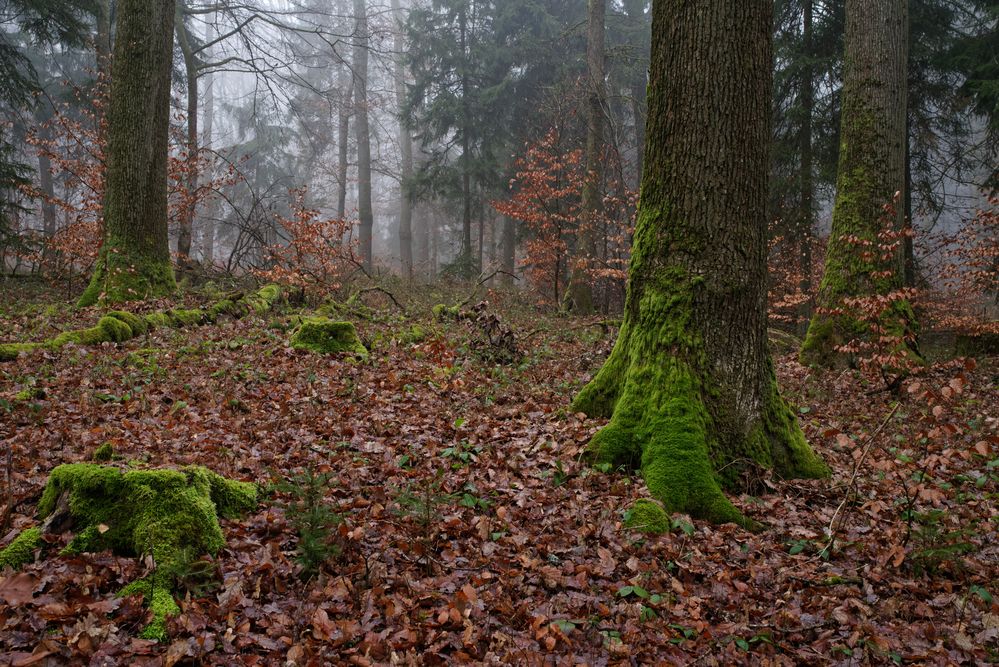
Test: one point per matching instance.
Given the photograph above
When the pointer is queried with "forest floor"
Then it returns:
(471, 531)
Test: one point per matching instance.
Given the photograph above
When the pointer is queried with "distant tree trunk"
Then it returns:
(509, 250)
(806, 220)
(45, 179)
(208, 113)
(690, 387)
(466, 151)
(102, 42)
(134, 261)
(362, 134)
(343, 138)
(421, 233)
(871, 171)
(406, 153)
(908, 252)
(186, 232)
(579, 296)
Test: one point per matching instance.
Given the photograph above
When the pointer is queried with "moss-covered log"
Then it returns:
(689, 386)
(119, 326)
(171, 515)
(870, 176)
(22, 549)
(324, 336)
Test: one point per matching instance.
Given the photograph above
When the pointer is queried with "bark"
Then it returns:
(191, 166)
(509, 249)
(406, 153)
(579, 296)
(871, 171)
(362, 134)
(134, 261)
(343, 137)
(689, 386)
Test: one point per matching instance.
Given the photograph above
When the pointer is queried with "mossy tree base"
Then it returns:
(120, 277)
(324, 336)
(171, 515)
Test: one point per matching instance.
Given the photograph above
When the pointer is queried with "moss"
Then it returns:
(11, 351)
(157, 320)
(30, 394)
(444, 312)
(103, 453)
(22, 549)
(136, 323)
(123, 276)
(169, 514)
(648, 516)
(107, 330)
(325, 336)
(182, 317)
(269, 293)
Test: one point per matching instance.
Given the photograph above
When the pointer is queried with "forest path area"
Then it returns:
(471, 531)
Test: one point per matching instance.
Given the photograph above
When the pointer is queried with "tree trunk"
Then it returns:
(579, 296)
(689, 386)
(208, 115)
(362, 135)
(134, 261)
(871, 172)
(45, 178)
(191, 167)
(465, 259)
(509, 249)
(343, 137)
(406, 153)
(639, 90)
(806, 220)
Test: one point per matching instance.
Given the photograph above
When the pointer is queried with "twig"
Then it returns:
(367, 290)
(853, 478)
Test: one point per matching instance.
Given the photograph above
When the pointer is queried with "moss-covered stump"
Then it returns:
(325, 336)
(118, 326)
(648, 516)
(171, 515)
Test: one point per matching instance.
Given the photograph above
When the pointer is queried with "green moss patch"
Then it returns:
(22, 549)
(324, 336)
(648, 516)
(171, 515)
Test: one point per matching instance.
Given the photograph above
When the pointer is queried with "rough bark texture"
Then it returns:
(134, 261)
(689, 386)
(361, 133)
(871, 171)
(406, 153)
(579, 296)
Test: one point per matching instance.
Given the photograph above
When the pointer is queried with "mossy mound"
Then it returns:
(119, 326)
(325, 336)
(22, 549)
(169, 514)
(648, 516)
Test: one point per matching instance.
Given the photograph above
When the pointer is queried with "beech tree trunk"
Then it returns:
(870, 175)
(134, 260)
(362, 134)
(343, 138)
(406, 153)
(689, 386)
(186, 232)
(579, 296)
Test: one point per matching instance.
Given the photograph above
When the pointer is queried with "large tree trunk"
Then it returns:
(406, 153)
(134, 261)
(870, 174)
(191, 167)
(361, 133)
(690, 387)
(579, 296)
